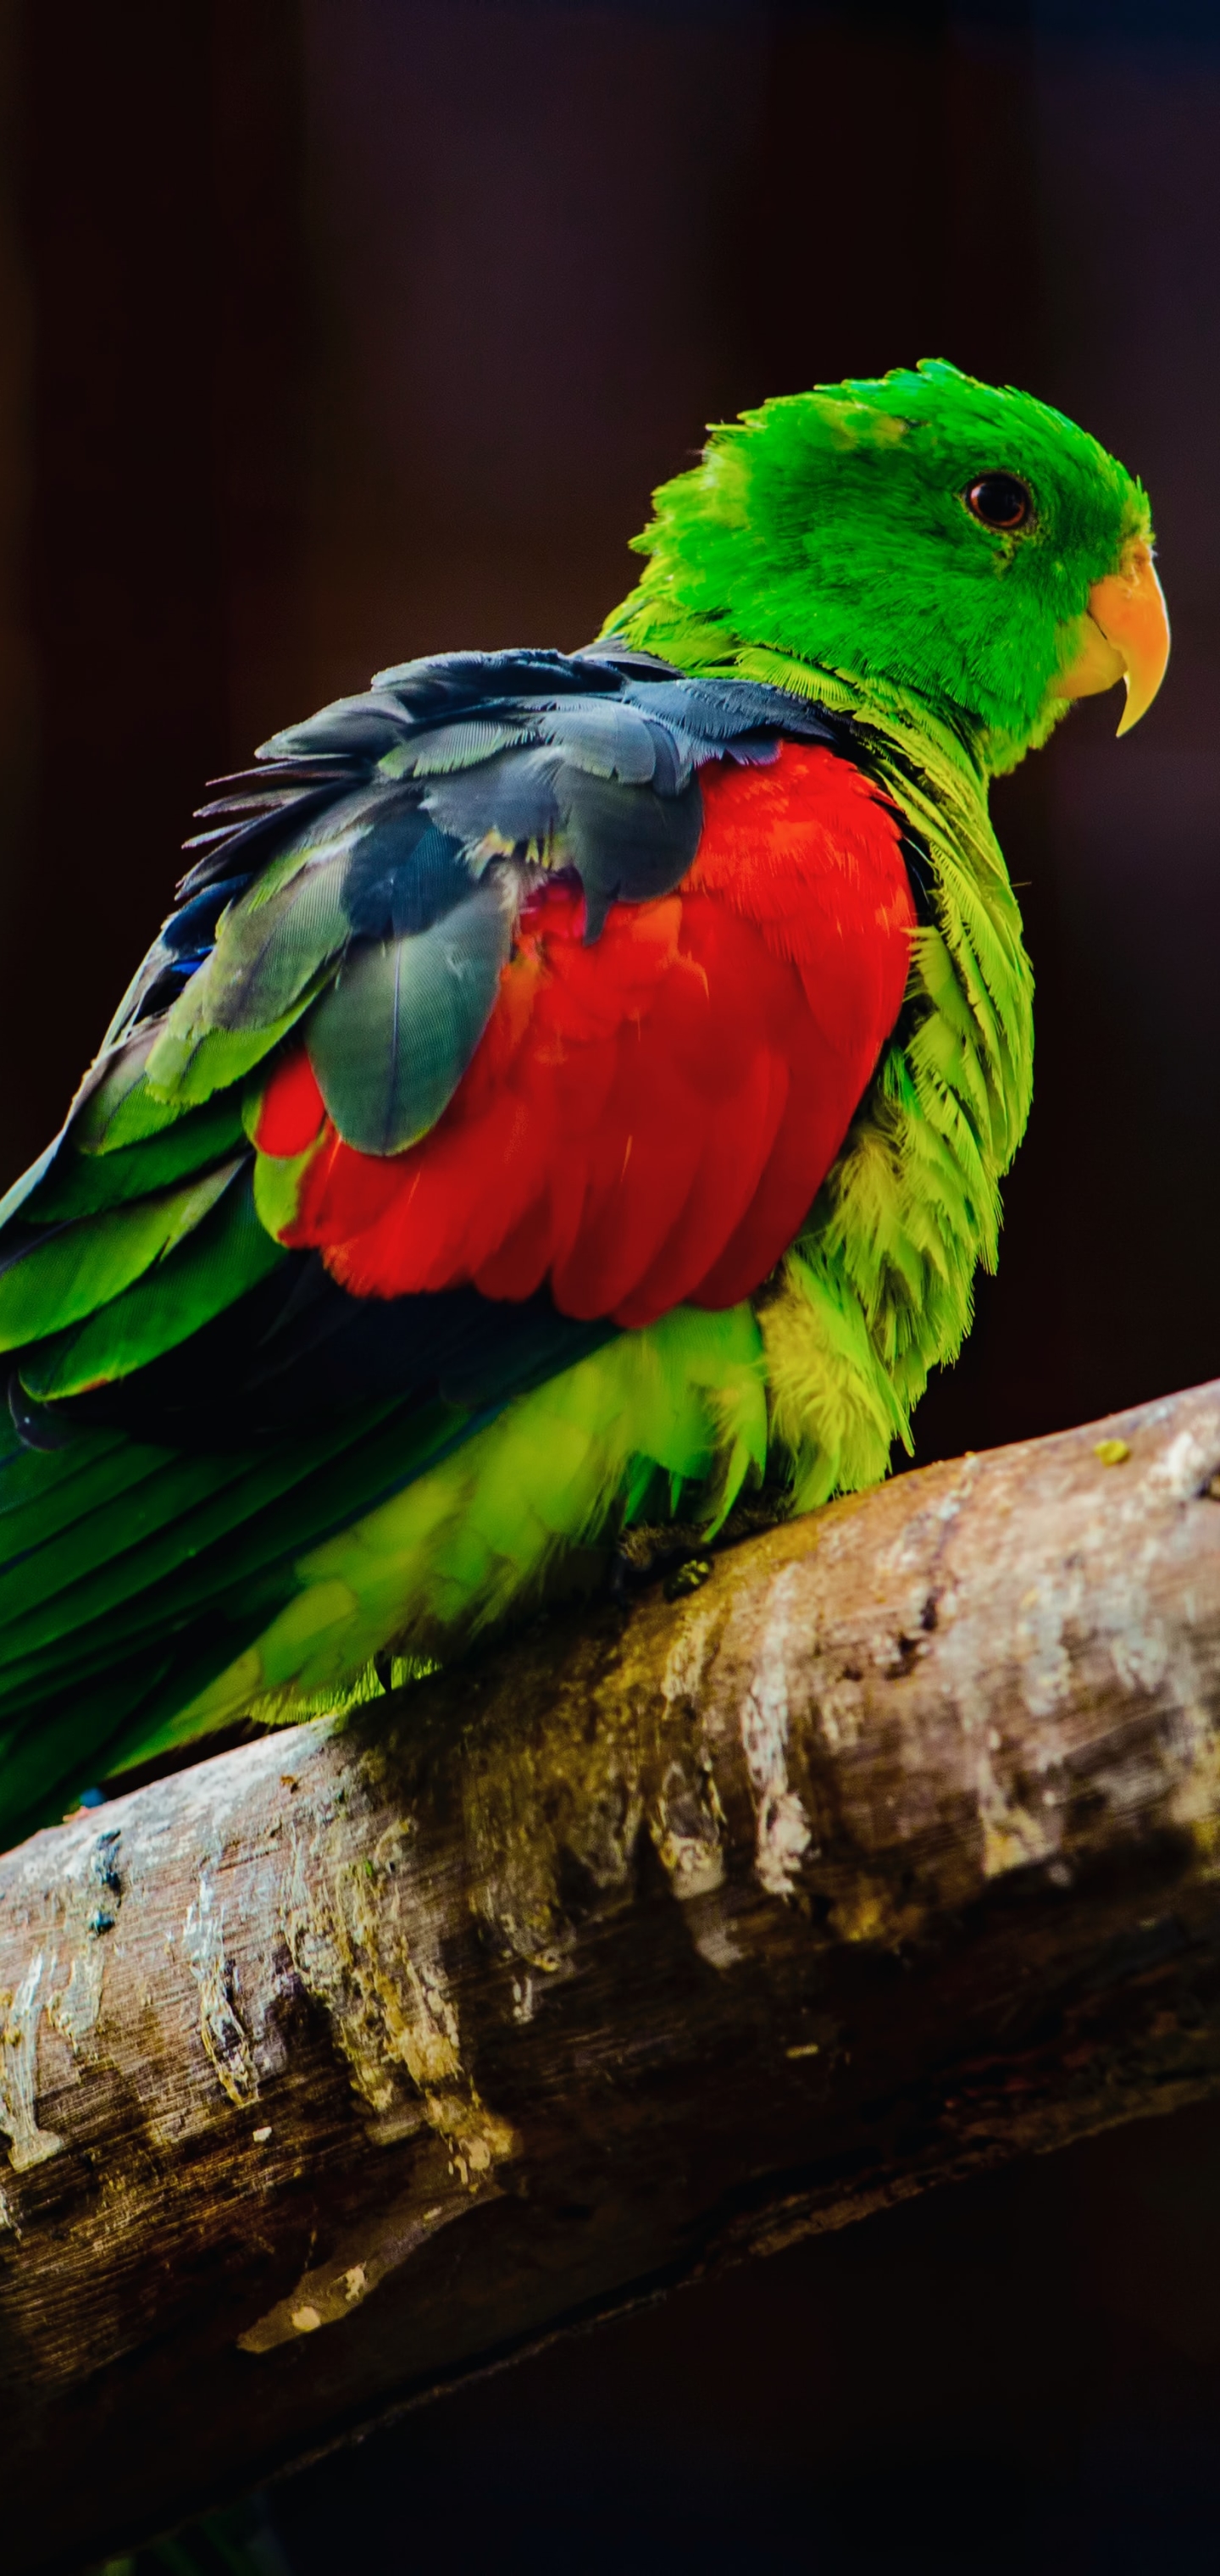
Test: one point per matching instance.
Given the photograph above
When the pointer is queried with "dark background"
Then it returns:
(336, 331)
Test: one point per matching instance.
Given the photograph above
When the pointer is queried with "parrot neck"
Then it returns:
(919, 727)
(922, 751)
(935, 770)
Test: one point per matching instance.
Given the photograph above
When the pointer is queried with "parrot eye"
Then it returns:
(999, 501)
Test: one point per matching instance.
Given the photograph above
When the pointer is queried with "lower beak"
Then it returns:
(1125, 636)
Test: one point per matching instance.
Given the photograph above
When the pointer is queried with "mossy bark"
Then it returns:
(361, 2058)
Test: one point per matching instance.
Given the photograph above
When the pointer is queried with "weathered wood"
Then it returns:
(352, 2061)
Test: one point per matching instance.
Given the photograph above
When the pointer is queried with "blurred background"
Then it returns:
(337, 331)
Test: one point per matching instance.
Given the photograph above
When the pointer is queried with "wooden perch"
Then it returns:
(350, 2062)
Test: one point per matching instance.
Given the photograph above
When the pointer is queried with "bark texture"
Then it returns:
(359, 2059)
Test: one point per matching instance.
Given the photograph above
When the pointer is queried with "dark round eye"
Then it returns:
(1000, 501)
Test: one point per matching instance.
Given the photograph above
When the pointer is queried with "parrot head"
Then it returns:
(920, 533)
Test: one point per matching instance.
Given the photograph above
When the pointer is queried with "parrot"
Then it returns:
(570, 1091)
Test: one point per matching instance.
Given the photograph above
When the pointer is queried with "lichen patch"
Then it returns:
(225, 2038)
(362, 1947)
(22, 2010)
(783, 1835)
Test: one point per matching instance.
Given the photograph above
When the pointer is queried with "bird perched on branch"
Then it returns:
(568, 1087)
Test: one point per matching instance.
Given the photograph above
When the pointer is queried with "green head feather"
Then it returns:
(832, 527)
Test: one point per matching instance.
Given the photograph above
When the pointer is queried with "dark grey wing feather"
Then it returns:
(392, 1037)
(358, 884)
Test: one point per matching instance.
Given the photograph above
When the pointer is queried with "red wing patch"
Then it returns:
(649, 1119)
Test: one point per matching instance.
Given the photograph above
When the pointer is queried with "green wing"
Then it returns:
(191, 1406)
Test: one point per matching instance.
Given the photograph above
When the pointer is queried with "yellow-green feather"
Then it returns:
(682, 1402)
(878, 1290)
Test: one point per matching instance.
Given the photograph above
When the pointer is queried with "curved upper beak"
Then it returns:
(1125, 637)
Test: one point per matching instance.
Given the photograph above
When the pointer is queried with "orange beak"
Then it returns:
(1125, 636)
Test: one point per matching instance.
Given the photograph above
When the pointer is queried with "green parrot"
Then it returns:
(569, 1088)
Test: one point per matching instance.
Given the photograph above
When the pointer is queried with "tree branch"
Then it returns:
(358, 2059)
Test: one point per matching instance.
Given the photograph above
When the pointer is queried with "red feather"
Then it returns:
(647, 1119)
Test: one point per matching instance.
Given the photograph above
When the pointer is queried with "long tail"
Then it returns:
(149, 1596)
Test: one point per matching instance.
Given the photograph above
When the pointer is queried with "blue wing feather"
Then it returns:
(366, 872)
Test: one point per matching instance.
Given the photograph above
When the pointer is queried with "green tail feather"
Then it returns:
(157, 1597)
(453, 1550)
